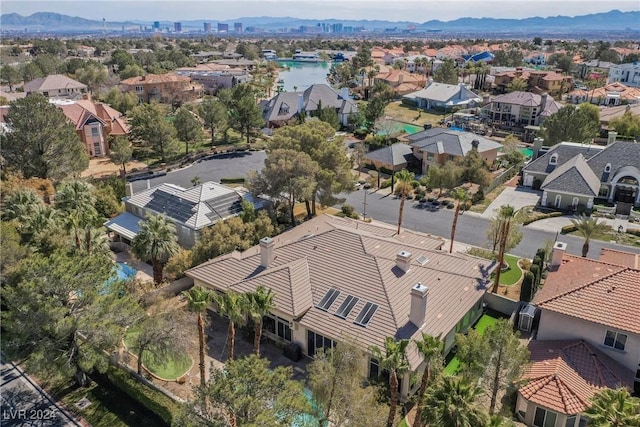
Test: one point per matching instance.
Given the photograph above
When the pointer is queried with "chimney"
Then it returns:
(611, 138)
(537, 145)
(475, 144)
(418, 311)
(403, 261)
(543, 101)
(267, 246)
(143, 78)
(559, 248)
(128, 189)
(486, 99)
(400, 78)
(300, 103)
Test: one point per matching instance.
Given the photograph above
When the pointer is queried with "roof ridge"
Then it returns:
(386, 294)
(568, 390)
(585, 285)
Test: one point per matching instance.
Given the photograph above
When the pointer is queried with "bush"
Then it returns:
(423, 200)
(634, 231)
(527, 287)
(348, 211)
(481, 253)
(415, 184)
(478, 196)
(385, 184)
(450, 205)
(535, 270)
(231, 180)
(525, 264)
(155, 401)
(568, 229)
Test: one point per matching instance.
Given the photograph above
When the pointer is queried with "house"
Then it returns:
(285, 107)
(537, 58)
(167, 88)
(439, 145)
(190, 209)
(214, 80)
(401, 81)
(573, 176)
(338, 278)
(95, 123)
(610, 94)
(485, 56)
(56, 86)
(394, 157)
(520, 109)
(562, 378)
(443, 96)
(539, 82)
(628, 74)
(609, 113)
(595, 301)
(586, 68)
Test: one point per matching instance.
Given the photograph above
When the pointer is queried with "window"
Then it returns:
(544, 418)
(615, 340)
(452, 157)
(553, 160)
(277, 326)
(328, 299)
(139, 89)
(571, 421)
(430, 157)
(95, 131)
(317, 342)
(604, 191)
(558, 201)
(366, 314)
(374, 368)
(96, 149)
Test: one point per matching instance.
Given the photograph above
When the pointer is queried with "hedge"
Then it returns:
(545, 216)
(568, 229)
(232, 180)
(527, 288)
(155, 401)
(634, 231)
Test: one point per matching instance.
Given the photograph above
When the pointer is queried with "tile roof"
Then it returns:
(395, 154)
(447, 141)
(284, 105)
(565, 151)
(574, 176)
(442, 92)
(613, 256)
(150, 79)
(53, 82)
(358, 259)
(80, 111)
(608, 113)
(565, 375)
(624, 156)
(586, 284)
(616, 88)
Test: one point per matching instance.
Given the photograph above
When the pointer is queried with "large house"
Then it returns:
(443, 96)
(285, 107)
(439, 145)
(610, 94)
(628, 74)
(592, 66)
(190, 209)
(56, 86)
(337, 278)
(401, 81)
(539, 82)
(573, 175)
(520, 109)
(214, 77)
(167, 88)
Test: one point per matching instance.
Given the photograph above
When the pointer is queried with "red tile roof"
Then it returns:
(626, 259)
(564, 375)
(155, 79)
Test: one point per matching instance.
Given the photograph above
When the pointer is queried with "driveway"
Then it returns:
(517, 197)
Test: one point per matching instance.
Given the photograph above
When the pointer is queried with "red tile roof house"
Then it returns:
(588, 336)
(162, 88)
(337, 279)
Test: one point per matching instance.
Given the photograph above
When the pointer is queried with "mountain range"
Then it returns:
(614, 20)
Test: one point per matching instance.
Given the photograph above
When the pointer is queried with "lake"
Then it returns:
(300, 75)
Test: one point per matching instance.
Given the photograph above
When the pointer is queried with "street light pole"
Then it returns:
(364, 212)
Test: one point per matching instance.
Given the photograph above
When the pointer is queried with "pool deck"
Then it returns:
(145, 271)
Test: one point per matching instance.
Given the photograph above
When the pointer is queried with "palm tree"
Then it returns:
(231, 304)
(394, 360)
(403, 188)
(453, 403)
(198, 299)
(461, 196)
(614, 408)
(587, 227)
(156, 242)
(76, 199)
(430, 349)
(259, 304)
(505, 216)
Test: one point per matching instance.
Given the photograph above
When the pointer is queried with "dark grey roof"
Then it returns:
(528, 99)
(395, 154)
(619, 154)
(443, 140)
(573, 176)
(565, 151)
(285, 105)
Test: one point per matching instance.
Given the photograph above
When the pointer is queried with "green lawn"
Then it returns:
(484, 322)
(171, 367)
(511, 275)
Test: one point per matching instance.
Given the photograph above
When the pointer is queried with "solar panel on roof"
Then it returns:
(328, 299)
(366, 314)
(345, 308)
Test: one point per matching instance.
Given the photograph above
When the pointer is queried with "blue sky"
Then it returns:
(394, 10)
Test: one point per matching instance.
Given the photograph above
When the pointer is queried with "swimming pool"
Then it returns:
(123, 273)
(401, 127)
(528, 152)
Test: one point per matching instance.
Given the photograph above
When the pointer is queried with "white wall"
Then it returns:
(556, 326)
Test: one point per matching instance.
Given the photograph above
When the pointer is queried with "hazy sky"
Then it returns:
(393, 10)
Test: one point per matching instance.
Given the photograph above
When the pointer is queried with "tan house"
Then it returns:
(611, 94)
(337, 278)
(402, 82)
(520, 109)
(553, 83)
(56, 86)
(167, 88)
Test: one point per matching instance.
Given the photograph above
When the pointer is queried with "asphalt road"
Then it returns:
(24, 403)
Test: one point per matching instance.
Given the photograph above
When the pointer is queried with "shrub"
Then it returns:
(231, 180)
(527, 287)
(634, 231)
(525, 264)
(568, 229)
(478, 196)
(535, 270)
(385, 184)
(423, 200)
(481, 253)
(348, 211)
(415, 184)
(450, 205)
(155, 401)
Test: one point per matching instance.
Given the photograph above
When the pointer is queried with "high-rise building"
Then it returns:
(207, 27)
(177, 27)
(223, 28)
(237, 27)
(156, 25)
(336, 28)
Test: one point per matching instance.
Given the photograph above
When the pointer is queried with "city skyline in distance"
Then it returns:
(407, 11)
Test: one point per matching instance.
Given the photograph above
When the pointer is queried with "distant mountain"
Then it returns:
(609, 21)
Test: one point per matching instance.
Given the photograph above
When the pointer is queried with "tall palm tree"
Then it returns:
(461, 196)
(393, 359)
(231, 304)
(76, 200)
(614, 408)
(259, 304)
(198, 300)
(587, 227)
(430, 349)
(505, 216)
(452, 402)
(403, 188)
(156, 242)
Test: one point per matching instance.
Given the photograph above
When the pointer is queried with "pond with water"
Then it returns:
(298, 76)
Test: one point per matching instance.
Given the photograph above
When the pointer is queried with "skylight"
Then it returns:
(422, 260)
(328, 299)
(366, 314)
(346, 307)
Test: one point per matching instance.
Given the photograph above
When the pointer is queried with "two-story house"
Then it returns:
(520, 109)
(539, 82)
(56, 86)
(190, 209)
(588, 336)
(167, 88)
(628, 74)
(611, 94)
(338, 278)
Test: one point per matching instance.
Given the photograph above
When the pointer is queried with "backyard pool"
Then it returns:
(399, 127)
(528, 152)
(123, 273)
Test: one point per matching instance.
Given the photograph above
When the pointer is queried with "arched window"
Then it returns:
(574, 203)
(553, 160)
(558, 201)
(607, 168)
